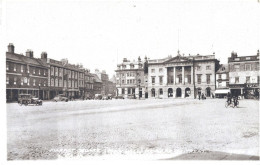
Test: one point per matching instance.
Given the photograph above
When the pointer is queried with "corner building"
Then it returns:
(130, 78)
(182, 76)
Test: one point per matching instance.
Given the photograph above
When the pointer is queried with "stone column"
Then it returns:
(174, 75)
(191, 74)
(183, 78)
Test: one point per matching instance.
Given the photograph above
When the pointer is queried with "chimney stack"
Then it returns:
(44, 56)
(29, 53)
(10, 48)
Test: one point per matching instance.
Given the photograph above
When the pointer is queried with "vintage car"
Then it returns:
(119, 97)
(109, 96)
(28, 99)
(98, 97)
(60, 97)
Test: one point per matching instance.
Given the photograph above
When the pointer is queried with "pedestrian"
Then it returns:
(212, 95)
(229, 98)
(199, 93)
(202, 96)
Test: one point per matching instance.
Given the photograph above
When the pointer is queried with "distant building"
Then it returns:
(244, 75)
(130, 78)
(25, 75)
(182, 76)
(89, 88)
(63, 78)
(222, 81)
(97, 85)
(104, 78)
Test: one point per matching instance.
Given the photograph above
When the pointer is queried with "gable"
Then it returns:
(178, 59)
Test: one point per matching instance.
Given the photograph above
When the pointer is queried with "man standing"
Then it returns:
(199, 93)
(229, 98)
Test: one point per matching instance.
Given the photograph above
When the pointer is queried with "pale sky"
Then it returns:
(100, 34)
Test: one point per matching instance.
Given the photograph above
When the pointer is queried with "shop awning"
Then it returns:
(222, 91)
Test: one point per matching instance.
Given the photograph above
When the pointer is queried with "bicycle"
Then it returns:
(231, 104)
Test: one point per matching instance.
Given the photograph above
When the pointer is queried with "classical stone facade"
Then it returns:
(182, 76)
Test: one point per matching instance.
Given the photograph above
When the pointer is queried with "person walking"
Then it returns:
(199, 93)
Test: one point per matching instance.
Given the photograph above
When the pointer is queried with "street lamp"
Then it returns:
(139, 82)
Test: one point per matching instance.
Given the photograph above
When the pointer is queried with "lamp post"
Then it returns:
(139, 82)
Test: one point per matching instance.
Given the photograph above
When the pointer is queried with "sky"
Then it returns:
(99, 34)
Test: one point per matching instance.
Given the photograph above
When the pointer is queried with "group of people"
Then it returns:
(203, 96)
(231, 98)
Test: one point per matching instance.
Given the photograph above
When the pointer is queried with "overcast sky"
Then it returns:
(99, 34)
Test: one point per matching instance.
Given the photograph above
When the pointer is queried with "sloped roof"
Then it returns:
(24, 59)
(96, 78)
(223, 68)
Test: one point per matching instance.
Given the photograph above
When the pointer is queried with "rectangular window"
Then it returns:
(33, 70)
(7, 66)
(160, 70)
(128, 74)
(14, 67)
(34, 81)
(7, 79)
(189, 79)
(208, 78)
(69, 83)
(236, 67)
(199, 79)
(52, 70)
(56, 71)
(236, 80)
(153, 70)
(198, 67)
(60, 83)
(134, 81)
(15, 79)
(219, 76)
(123, 81)
(40, 82)
(161, 80)
(44, 72)
(22, 68)
(127, 81)
(153, 80)
(248, 79)
(21, 81)
(72, 84)
(39, 71)
(248, 67)
(44, 83)
(208, 67)
(123, 91)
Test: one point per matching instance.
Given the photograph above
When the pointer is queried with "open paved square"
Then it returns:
(163, 128)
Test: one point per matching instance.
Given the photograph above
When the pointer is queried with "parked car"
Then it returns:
(109, 96)
(131, 96)
(60, 97)
(28, 99)
(119, 97)
(104, 97)
(98, 97)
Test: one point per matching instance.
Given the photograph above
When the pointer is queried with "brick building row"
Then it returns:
(45, 77)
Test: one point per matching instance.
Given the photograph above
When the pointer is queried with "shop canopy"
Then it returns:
(222, 91)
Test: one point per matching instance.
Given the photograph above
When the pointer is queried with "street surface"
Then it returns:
(151, 129)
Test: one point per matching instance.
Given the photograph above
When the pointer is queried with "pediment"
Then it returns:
(178, 59)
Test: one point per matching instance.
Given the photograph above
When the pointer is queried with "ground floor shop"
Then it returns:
(137, 92)
(13, 93)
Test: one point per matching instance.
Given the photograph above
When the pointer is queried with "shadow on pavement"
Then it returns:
(213, 155)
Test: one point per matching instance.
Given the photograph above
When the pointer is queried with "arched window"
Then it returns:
(56, 82)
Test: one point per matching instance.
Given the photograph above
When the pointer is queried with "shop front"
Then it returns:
(251, 91)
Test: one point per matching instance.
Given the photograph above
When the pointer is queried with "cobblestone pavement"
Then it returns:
(150, 129)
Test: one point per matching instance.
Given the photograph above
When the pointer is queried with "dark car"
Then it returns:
(119, 97)
(28, 99)
(132, 96)
(60, 98)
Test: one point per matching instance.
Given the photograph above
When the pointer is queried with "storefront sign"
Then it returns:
(252, 85)
(236, 85)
